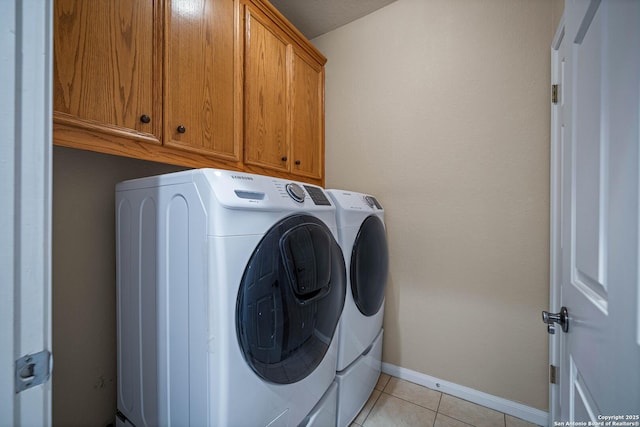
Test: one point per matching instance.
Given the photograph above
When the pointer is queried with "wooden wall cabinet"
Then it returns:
(283, 96)
(107, 78)
(202, 78)
(196, 83)
(157, 80)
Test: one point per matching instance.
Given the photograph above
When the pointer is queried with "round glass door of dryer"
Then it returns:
(369, 266)
(290, 299)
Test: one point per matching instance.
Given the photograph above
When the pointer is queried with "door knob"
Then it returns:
(561, 319)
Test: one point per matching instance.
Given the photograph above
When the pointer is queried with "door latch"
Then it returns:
(561, 319)
(553, 374)
(32, 370)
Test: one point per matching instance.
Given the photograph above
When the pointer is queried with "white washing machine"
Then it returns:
(229, 291)
(362, 236)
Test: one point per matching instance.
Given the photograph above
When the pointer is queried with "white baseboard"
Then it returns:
(515, 409)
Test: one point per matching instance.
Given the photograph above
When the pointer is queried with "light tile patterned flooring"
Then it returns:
(395, 402)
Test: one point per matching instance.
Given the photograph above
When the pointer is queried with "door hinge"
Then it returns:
(32, 370)
(554, 94)
(553, 374)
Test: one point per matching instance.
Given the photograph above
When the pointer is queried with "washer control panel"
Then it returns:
(295, 192)
(318, 196)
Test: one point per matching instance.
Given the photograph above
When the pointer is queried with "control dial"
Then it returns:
(296, 192)
(369, 201)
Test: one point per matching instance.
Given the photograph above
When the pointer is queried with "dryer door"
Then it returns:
(369, 266)
(290, 299)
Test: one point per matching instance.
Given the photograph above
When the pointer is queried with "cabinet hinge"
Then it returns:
(553, 374)
(32, 370)
(554, 94)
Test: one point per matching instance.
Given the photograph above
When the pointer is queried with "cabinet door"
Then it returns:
(106, 67)
(201, 78)
(266, 134)
(307, 116)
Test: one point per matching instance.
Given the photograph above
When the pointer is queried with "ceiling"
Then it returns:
(316, 17)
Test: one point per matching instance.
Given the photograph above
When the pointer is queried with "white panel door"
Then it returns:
(597, 251)
(25, 211)
(559, 159)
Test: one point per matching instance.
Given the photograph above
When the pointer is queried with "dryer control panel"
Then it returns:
(354, 201)
(372, 202)
(353, 207)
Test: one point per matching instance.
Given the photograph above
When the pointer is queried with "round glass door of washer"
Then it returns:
(290, 299)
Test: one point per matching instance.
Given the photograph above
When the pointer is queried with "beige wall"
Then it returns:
(84, 310)
(440, 108)
(556, 14)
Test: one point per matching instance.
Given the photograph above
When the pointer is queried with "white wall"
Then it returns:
(441, 109)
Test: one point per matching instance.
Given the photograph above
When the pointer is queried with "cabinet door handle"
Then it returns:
(297, 162)
(284, 158)
(181, 129)
(145, 119)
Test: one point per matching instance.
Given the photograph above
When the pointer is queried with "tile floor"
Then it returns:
(395, 402)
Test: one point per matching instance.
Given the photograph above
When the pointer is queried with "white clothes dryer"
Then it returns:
(362, 236)
(229, 291)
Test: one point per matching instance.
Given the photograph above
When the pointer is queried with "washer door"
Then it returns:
(369, 266)
(290, 299)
